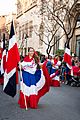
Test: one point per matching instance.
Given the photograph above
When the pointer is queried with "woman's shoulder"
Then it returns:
(27, 59)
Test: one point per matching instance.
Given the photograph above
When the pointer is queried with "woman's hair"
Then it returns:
(30, 48)
(35, 56)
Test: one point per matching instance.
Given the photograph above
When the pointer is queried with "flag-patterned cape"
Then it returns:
(34, 83)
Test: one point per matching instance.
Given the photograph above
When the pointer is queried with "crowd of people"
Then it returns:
(39, 73)
(60, 72)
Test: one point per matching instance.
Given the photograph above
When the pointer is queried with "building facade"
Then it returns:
(2, 26)
(5, 23)
(29, 23)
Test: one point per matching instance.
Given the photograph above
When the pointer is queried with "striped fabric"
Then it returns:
(11, 72)
(34, 84)
(67, 56)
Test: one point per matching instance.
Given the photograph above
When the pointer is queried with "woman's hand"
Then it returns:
(20, 66)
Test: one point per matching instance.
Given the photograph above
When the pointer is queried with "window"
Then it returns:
(30, 28)
(19, 33)
(40, 40)
(78, 46)
(19, 8)
(22, 31)
(26, 29)
(33, 2)
(78, 21)
(41, 31)
(56, 42)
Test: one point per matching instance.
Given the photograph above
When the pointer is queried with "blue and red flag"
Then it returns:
(11, 71)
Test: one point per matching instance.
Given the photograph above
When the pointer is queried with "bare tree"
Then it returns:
(57, 15)
(49, 31)
(64, 16)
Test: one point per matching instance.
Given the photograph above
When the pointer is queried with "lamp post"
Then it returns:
(26, 38)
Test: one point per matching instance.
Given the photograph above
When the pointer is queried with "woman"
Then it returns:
(33, 83)
(55, 72)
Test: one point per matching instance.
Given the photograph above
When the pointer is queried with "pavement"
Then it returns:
(60, 103)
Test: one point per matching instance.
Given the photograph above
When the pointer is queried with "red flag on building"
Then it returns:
(67, 56)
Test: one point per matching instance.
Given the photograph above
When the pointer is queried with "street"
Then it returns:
(60, 103)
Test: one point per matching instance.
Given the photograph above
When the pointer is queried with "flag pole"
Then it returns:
(22, 85)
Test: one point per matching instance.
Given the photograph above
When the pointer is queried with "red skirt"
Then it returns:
(55, 83)
(1, 80)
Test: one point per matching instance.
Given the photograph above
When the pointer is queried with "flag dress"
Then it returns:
(55, 75)
(34, 83)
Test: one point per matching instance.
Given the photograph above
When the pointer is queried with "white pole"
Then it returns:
(22, 85)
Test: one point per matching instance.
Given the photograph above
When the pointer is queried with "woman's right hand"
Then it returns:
(20, 66)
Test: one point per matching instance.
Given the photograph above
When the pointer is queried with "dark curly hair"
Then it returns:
(35, 56)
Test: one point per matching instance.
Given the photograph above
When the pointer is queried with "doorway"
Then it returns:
(78, 46)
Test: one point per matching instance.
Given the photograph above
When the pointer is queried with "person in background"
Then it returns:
(43, 58)
(73, 59)
(55, 71)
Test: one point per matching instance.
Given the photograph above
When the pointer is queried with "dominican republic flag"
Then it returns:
(11, 71)
(3, 60)
(34, 83)
(67, 57)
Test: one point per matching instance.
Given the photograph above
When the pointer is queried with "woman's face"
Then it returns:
(31, 52)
